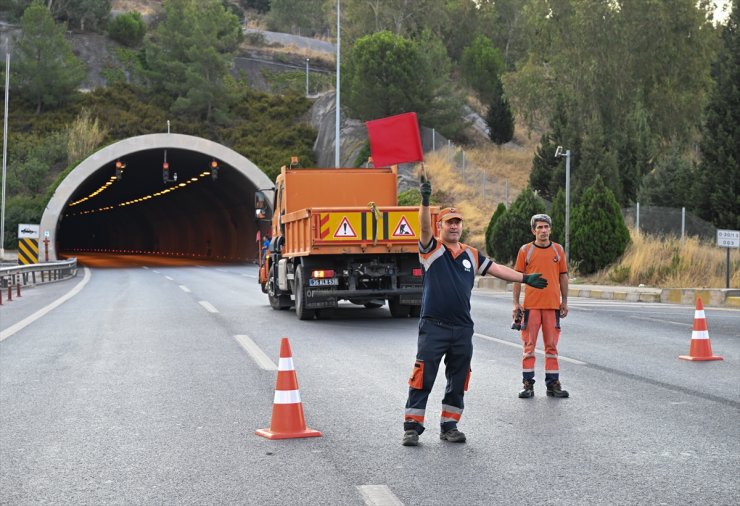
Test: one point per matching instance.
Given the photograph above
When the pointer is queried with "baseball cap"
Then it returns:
(540, 217)
(449, 213)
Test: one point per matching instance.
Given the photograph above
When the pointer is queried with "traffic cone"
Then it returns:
(287, 411)
(701, 347)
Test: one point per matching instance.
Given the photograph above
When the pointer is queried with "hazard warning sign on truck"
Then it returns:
(366, 226)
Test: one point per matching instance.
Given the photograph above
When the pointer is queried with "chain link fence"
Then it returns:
(657, 220)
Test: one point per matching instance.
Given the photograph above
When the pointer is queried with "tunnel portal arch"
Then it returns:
(215, 218)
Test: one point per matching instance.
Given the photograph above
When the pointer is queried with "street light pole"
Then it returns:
(336, 116)
(5, 155)
(307, 59)
(559, 153)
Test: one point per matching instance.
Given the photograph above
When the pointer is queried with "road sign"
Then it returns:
(728, 238)
(28, 231)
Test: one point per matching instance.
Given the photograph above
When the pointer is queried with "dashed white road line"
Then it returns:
(184, 288)
(254, 351)
(378, 495)
(41, 312)
(169, 278)
(209, 307)
(517, 345)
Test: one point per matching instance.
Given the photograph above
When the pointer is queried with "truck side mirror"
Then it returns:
(261, 209)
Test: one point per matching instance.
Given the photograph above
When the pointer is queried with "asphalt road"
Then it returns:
(137, 390)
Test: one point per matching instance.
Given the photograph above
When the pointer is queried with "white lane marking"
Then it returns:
(249, 276)
(155, 271)
(169, 278)
(41, 312)
(378, 495)
(661, 320)
(254, 351)
(209, 307)
(538, 351)
(184, 288)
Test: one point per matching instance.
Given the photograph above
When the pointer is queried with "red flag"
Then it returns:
(395, 139)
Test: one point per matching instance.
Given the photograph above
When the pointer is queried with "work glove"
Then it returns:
(534, 280)
(425, 188)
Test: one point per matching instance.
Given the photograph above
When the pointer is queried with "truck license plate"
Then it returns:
(323, 282)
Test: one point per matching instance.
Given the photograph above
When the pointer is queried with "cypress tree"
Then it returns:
(500, 120)
(497, 214)
(599, 235)
(512, 230)
(718, 189)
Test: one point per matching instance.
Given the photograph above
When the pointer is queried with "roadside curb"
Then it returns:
(717, 297)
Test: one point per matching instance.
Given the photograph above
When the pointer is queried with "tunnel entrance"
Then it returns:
(160, 194)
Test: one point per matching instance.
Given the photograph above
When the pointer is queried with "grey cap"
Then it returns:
(540, 217)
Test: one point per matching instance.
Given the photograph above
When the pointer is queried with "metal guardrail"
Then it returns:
(35, 274)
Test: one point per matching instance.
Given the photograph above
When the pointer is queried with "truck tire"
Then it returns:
(398, 310)
(300, 296)
(277, 301)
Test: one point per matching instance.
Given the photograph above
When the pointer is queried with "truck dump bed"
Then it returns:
(338, 230)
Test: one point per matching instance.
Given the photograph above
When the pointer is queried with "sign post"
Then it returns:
(728, 239)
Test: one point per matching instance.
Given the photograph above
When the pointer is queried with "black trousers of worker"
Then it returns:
(454, 343)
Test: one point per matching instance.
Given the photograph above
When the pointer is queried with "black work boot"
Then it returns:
(555, 390)
(528, 391)
(410, 438)
(453, 436)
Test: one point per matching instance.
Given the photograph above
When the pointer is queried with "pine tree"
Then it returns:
(45, 69)
(718, 189)
(599, 235)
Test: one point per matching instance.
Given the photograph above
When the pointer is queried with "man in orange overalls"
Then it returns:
(542, 308)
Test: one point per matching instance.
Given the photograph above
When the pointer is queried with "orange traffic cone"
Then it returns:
(287, 411)
(701, 348)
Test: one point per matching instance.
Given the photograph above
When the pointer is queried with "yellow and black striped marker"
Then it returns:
(28, 251)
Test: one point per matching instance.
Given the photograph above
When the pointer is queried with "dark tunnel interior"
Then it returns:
(201, 211)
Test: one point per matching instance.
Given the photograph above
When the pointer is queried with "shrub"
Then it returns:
(497, 214)
(128, 29)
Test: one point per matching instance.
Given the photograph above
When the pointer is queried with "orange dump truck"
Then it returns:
(338, 234)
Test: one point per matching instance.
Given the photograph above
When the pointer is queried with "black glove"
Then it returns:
(425, 188)
(534, 280)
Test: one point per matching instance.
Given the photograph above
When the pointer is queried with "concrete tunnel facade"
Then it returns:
(196, 216)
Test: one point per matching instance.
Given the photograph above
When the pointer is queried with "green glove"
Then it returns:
(426, 190)
(534, 280)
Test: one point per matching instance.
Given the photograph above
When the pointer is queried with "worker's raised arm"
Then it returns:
(425, 215)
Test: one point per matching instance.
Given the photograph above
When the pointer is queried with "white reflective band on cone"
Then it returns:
(699, 315)
(287, 397)
(700, 334)
(286, 364)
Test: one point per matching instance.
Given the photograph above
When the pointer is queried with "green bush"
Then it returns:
(128, 29)
(599, 235)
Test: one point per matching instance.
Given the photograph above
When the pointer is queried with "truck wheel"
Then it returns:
(276, 301)
(300, 297)
(373, 305)
(398, 310)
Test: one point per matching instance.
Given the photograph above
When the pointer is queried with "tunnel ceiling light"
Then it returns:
(137, 200)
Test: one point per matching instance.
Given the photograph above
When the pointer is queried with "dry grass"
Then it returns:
(491, 171)
(145, 7)
(668, 262)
